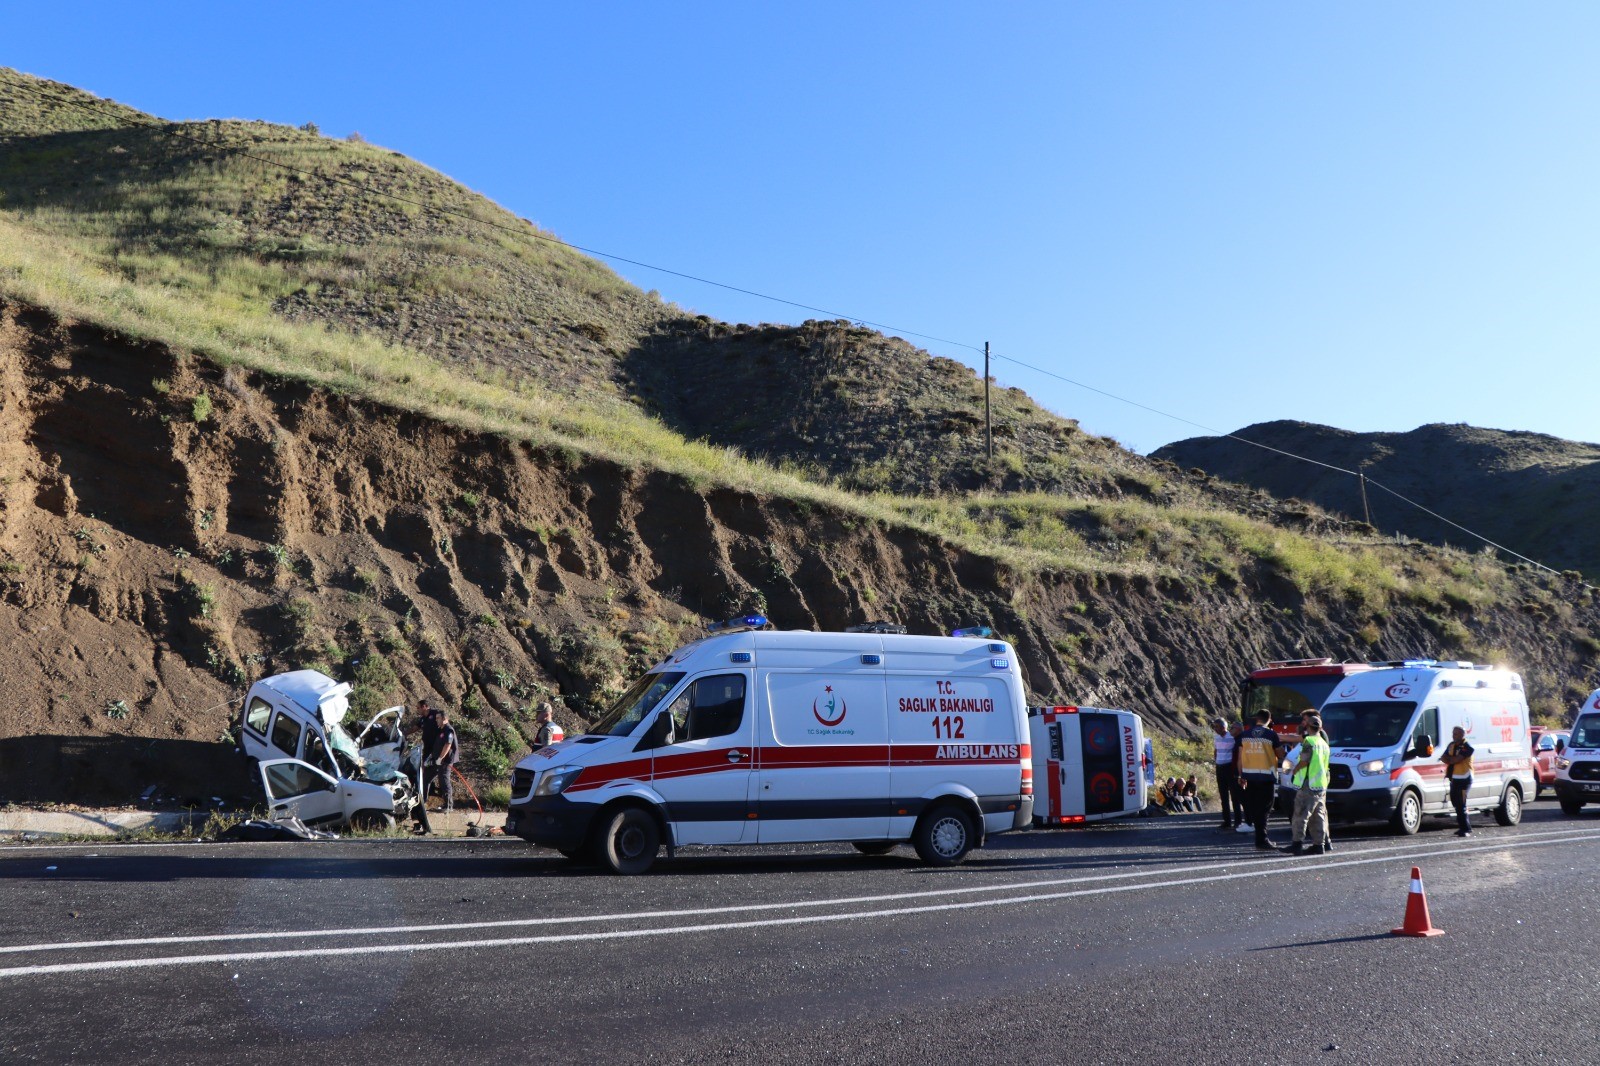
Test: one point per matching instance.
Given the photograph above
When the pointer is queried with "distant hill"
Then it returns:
(1536, 494)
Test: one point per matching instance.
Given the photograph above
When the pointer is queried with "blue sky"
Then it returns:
(1371, 215)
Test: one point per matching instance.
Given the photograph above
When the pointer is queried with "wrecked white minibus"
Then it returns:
(292, 730)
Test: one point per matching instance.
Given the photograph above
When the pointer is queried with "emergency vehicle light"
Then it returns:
(739, 624)
(973, 631)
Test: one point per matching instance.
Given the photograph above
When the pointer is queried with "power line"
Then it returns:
(180, 130)
(1291, 455)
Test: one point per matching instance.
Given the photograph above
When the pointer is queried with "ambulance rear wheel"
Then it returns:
(1408, 815)
(1510, 810)
(628, 842)
(875, 847)
(944, 835)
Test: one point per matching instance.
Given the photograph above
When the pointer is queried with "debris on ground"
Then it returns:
(260, 831)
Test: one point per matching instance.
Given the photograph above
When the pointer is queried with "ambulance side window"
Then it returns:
(1427, 726)
(710, 707)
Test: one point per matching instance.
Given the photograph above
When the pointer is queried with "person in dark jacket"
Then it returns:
(1457, 759)
(446, 752)
(1258, 755)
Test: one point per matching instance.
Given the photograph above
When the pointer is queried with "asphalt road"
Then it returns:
(1159, 941)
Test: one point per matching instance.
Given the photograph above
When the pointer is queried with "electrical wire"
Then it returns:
(180, 130)
(1292, 455)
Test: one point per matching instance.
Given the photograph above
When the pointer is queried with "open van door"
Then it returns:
(298, 789)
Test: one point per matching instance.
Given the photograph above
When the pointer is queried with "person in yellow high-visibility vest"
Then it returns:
(1311, 776)
(1257, 756)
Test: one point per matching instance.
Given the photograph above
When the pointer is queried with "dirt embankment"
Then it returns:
(170, 530)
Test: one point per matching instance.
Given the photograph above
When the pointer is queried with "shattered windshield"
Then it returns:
(636, 703)
(1367, 724)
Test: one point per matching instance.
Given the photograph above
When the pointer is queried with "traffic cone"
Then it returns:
(1417, 922)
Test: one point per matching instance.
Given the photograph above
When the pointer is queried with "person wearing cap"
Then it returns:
(1312, 773)
(446, 754)
(548, 732)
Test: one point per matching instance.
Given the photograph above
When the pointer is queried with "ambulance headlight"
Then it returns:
(554, 782)
(1373, 766)
(1561, 763)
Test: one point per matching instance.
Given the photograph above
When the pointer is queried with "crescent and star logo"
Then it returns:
(1394, 692)
(1597, 703)
(834, 704)
(1348, 691)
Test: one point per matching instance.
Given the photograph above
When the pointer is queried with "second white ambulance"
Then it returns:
(1578, 765)
(752, 736)
(1387, 728)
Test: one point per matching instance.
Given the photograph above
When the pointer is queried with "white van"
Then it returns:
(762, 737)
(292, 728)
(1387, 728)
(1578, 766)
(1086, 764)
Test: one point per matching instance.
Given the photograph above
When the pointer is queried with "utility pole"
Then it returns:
(1361, 471)
(988, 426)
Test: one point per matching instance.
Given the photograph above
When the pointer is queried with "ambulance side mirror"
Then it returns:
(1421, 747)
(1561, 745)
(659, 734)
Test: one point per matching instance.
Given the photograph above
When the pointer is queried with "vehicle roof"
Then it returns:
(813, 641)
(1464, 676)
(1308, 668)
(307, 688)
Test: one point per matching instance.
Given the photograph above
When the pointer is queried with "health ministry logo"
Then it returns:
(830, 703)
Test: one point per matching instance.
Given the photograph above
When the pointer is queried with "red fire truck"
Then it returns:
(1290, 688)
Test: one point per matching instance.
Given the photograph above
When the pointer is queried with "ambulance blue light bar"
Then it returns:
(739, 624)
(973, 631)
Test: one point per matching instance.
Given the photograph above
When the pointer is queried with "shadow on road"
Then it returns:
(1326, 943)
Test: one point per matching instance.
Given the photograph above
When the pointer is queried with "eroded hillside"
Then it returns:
(158, 549)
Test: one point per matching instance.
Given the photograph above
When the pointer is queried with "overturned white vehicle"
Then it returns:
(292, 729)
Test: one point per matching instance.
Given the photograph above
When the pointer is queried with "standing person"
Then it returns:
(1457, 759)
(428, 718)
(1237, 729)
(1311, 775)
(1259, 755)
(1227, 777)
(548, 732)
(448, 751)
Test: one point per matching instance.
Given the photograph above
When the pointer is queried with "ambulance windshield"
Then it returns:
(636, 704)
(1586, 733)
(1367, 724)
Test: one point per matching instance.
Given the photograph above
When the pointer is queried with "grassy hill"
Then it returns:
(1536, 494)
(255, 420)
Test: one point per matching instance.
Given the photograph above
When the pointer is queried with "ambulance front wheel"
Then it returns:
(944, 835)
(1407, 818)
(628, 842)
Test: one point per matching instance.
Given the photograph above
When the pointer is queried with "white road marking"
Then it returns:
(1266, 870)
(744, 908)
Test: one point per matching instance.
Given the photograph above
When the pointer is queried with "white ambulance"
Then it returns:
(752, 736)
(1578, 765)
(1086, 764)
(1387, 728)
